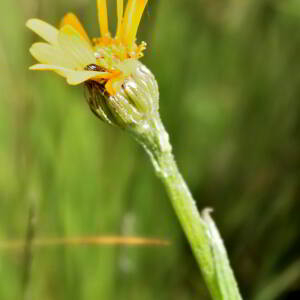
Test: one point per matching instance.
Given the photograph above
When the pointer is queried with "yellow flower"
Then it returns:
(107, 60)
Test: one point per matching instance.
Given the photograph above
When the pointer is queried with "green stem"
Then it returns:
(200, 231)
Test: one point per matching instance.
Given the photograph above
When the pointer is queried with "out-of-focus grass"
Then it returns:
(230, 85)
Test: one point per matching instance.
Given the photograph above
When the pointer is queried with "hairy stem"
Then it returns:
(200, 230)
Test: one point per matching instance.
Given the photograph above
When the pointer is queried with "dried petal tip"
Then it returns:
(134, 104)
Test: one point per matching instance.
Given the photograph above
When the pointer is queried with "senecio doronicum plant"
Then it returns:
(123, 92)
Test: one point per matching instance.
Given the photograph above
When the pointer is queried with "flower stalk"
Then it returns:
(200, 230)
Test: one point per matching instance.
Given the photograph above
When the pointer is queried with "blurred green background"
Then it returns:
(229, 79)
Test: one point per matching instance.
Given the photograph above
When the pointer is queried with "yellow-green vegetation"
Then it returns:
(229, 96)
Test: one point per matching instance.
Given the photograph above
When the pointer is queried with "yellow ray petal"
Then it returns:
(44, 30)
(73, 77)
(127, 21)
(71, 19)
(81, 76)
(45, 67)
(74, 45)
(120, 10)
(102, 16)
(114, 85)
(133, 15)
(109, 87)
(50, 54)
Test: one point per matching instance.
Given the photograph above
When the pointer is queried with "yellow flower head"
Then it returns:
(107, 60)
